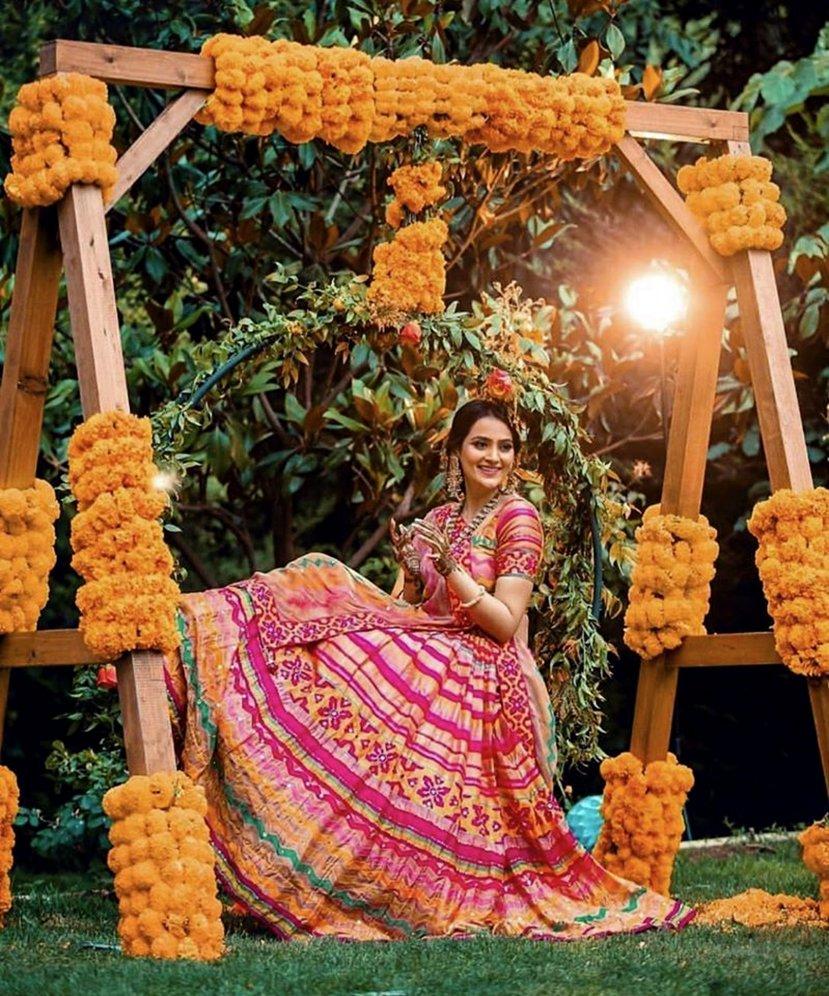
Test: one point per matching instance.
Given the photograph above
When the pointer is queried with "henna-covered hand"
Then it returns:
(402, 541)
(439, 546)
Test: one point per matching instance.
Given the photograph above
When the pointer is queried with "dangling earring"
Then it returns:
(453, 480)
(510, 482)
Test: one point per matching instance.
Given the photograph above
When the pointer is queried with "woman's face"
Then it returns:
(487, 455)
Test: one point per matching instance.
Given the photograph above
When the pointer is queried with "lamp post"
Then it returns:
(657, 301)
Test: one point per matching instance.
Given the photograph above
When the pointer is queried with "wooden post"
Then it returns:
(148, 739)
(26, 366)
(100, 363)
(685, 461)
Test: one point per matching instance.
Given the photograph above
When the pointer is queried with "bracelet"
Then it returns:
(476, 599)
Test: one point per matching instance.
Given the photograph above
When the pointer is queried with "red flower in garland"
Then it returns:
(106, 677)
(410, 334)
(499, 385)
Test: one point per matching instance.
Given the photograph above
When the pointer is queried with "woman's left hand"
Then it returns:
(438, 543)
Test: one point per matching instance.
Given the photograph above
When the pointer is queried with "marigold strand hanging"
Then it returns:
(27, 554)
(670, 588)
(9, 798)
(129, 599)
(792, 533)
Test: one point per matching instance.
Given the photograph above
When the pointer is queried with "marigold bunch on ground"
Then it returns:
(410, 272)
(643, 824)
(164, 868)
(815, 843)
(416, 188)
(61, 128)
(9, 798)
(671, 582)
(737, 201)
(27, 554)
(129, 599)
(758, 908)
(792, 532)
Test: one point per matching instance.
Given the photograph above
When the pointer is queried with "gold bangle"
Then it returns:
(476, 599)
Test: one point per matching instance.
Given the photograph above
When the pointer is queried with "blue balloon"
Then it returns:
(585, 820)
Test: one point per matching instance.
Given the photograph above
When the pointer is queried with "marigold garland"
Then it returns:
(61, 129)
(671, 586)
(415, 188)
(410, 272)
(129, 599)
(9, 798)
(164, 868)
(737, 201)
(27, 554)
(347, 99)
(792, 532)
(643, 824)
(815, 843)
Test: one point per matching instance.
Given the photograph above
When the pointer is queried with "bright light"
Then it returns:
(165, 481)
(656, 301)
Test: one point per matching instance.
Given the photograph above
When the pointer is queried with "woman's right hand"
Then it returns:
(402, 541)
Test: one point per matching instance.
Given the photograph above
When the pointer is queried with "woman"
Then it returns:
(381, 768)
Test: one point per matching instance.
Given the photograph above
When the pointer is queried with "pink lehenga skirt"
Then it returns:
(377, 773)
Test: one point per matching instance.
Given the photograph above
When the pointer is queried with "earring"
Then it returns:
(454, 478)
(510, 482)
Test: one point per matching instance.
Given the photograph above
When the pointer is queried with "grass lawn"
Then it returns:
(49, 946)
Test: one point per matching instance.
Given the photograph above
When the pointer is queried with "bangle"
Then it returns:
(476, 599)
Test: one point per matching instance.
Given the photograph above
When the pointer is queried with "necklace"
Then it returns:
(463, 528)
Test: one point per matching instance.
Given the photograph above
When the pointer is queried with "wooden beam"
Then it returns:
(148, 737)
(693, 409)
(154, 140)
(819, 698)
(781, 427)
(646, 119)
(92, 310)
(127, 65)
(46, 648)
(724, 650)
(670, 206)
(28, 348)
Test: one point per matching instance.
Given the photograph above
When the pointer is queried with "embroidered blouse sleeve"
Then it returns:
(520, 541)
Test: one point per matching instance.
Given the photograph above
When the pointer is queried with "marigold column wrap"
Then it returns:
(736, 200)
(792, 532)
(643, 824)
(129, 599)
(671, 582)
(61, 129)
(9, 798)
(815, 843)
(27, 554)
(164, 868)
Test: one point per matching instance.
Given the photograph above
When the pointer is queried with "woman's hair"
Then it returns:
(467, 415)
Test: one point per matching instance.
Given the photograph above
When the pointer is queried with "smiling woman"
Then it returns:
(380, 768)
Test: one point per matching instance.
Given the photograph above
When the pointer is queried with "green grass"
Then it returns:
(48, 948)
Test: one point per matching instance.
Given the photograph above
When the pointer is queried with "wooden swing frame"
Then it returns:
(72, 236)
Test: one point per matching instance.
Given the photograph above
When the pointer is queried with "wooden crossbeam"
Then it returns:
(724, 650)
(127, 65)
(121, 64)
(154, 140)
(46, 648)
